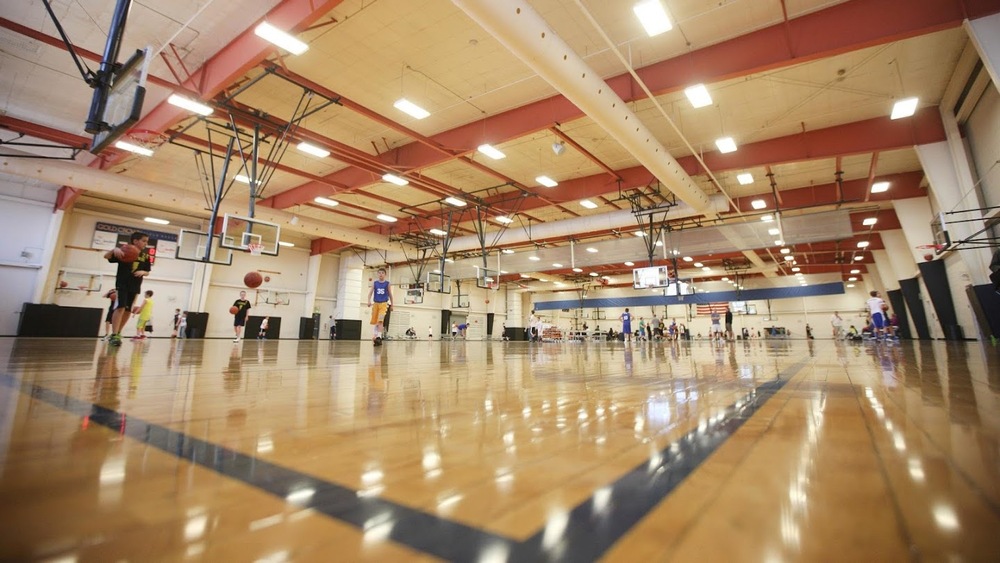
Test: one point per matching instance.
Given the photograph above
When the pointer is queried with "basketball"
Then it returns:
(233, 310)
(267, 278)
(487, 301)
(253, 279)
(928, 257)
(64, 283)
(130, 253)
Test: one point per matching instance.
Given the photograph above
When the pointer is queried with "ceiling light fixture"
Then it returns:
(508, 251)
(786, 250)
(630, 264)
(392, 178)
(726, 145)
(758, 204)
(868, 222)
(773, 232)
(156, 221)
(546, 181)
(491, 152)
(745, 178)
(286, 244)
(879, 187)
(594, 274)
(859, 258)
(698, 95)
(313, 150)
(904, 108)
(189, 104)
(852, 278)
(653, 17)
(280, 38)
(796, 269)
(588, 204)
(855, 271)
(326, 201)
(534, 258)
(503, 219)
(142, 151)
(698, 264)
(450, 200)
(410, 108)
(241, 179)
(386, 218)
(578, 270)
(591, 249)
(688, 259)
(639, 234)
(437, 232)
(767, 218)
(556, 265)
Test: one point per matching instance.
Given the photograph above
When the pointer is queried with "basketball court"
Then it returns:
(487, 451)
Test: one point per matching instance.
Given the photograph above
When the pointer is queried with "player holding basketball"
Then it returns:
(242, 306)
(878, 310)
(379, 299)
(128, 282)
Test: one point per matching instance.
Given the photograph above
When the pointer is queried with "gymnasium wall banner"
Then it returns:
(108, 236)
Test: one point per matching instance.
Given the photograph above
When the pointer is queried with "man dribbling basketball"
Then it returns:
(128, 282)
(240, 316)
(379, 299)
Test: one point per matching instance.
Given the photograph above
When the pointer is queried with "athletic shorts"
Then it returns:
(378, 311)
(240, 319)
(125, 299)
(878, 320)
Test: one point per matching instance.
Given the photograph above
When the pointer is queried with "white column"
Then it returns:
(312, 284)
(349, 289)
(915, 217)
(199, 287)
(900, 255)
(45, 281)
(947, 167)
(985, 35)
(884, 269)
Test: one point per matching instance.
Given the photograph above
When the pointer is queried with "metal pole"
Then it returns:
(218, 201)
(108, 63)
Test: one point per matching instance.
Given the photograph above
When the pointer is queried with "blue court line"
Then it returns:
(589, 530)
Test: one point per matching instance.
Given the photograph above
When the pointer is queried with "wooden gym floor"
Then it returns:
(498, 451)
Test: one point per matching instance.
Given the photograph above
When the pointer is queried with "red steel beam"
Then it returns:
(858, 24)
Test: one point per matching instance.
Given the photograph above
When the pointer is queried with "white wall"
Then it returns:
(24, 227)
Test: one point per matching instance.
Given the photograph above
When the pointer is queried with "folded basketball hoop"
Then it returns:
(255, 249)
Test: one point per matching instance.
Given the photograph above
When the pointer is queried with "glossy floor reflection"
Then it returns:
(493, 451)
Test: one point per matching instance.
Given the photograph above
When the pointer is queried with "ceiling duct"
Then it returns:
(521, 30)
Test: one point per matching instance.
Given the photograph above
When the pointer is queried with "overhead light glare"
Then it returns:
(789, 258)
(699, 97)
(653, 17)
(546, 181)
(879, 187)
(688, 259)
(786, 250)
(767, 218)
(698, 264)
(557, 265)
(594, 274)
(850, 285)
(630, 264)
(852, 278)
(189, 104)
(868, 222)
(386, 218)
(758, 204)
(313, 150)
(745, 178)
(773, 232)
(503, 219)
(639, 234)
(280, 38)
(904, 108)
(437, 232)
(410, 108)
(156, 221)
(855, 271)
(491, 152)
(393, 179)
(588, 204)
(591, 249)
(863, 244)
(507, 251)
(285, 244)
(726, 145)
(455, 201)
(141, 151)
(578, 270)
(706, 268)
(241, 179)
(326, 201)
(796, 269)
(534, 258)
(859, 258)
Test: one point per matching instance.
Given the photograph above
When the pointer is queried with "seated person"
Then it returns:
(410, 333)
(852, 333)
(611, 334)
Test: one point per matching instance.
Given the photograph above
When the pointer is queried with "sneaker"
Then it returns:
(115, 340)
(237, 339)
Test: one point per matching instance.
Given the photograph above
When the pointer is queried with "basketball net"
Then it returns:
(255, 249)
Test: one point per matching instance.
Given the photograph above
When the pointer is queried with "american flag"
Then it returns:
(708, 308)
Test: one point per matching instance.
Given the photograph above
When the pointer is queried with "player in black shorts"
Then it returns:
(128, 283)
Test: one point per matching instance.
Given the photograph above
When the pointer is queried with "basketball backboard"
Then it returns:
(438, 283)
(240, 232)
(939, 228)
(487, 279)
(123, 104)
(191, 246)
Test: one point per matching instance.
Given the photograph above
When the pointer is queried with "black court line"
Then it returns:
(585, 534)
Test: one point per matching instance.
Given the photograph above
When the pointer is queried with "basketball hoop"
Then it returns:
(929, 250)
(255, 249)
